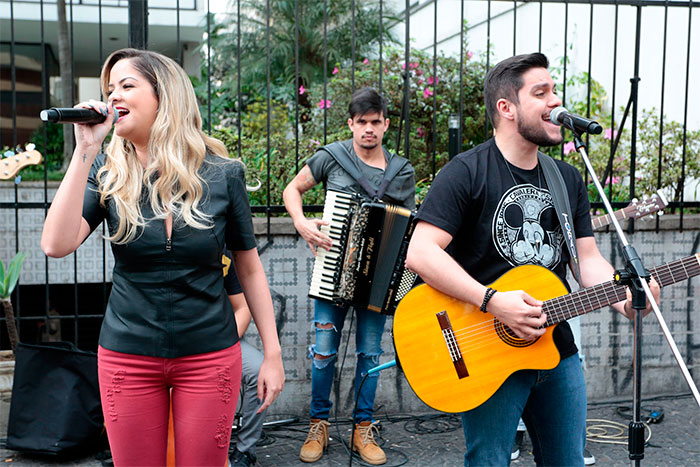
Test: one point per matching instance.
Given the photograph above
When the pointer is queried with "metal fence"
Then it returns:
(29, 65)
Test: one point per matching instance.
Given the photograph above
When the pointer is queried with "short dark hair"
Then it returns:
(505, 80)
(366, 100)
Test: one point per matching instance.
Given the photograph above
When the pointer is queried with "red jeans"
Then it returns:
(135, 393)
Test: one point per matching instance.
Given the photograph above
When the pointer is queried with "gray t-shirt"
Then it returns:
(401, 190)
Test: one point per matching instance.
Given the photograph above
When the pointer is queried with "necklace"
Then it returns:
(539, 180)
(538, 241)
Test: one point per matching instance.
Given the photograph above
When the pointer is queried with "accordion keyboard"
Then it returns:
(337, 209)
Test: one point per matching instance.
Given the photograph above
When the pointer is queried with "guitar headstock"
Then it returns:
(647, 206)
(11, 162)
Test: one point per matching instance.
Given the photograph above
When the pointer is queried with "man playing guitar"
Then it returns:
(490, 210)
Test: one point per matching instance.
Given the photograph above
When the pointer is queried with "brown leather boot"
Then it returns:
(316, 442)
(364, 444)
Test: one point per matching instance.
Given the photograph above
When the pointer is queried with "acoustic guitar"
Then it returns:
(635, 210)
(455, 357)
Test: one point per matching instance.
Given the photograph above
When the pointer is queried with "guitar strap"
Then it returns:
(555, 182)
(343, 157)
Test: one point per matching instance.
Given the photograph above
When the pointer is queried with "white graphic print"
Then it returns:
(517, 231)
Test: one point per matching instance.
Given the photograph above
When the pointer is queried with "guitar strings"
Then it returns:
(618, 293)
(664, 275)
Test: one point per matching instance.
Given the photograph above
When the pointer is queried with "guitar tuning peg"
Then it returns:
(645, 197)
(660, 213)
(635, 200)
(8, 153)
(30, 147)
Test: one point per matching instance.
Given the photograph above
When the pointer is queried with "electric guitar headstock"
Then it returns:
(636, 209)
(11, 163)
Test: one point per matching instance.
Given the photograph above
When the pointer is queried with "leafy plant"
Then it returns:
(672, 161)
(8, 281)
(253, 52)
(434, 91)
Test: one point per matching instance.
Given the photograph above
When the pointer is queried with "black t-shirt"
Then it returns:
(501, 216)
(401, 190)
(172, 303)
(231, 284)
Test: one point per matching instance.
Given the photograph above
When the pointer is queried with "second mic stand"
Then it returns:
(635, 276)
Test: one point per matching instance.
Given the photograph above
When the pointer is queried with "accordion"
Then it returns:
(365, 266)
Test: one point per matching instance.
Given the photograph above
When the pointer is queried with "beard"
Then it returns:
(365, 145)
(536, 135)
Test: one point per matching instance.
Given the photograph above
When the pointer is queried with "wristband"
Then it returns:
(487, 296)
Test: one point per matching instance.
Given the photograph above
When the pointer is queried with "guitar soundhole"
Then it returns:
(509, 337)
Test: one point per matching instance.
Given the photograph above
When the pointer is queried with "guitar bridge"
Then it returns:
(452, 346)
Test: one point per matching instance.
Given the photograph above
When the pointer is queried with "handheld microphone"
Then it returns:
(74, 115)
(561, 116)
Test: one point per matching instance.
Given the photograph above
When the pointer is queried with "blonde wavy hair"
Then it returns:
(177, 147)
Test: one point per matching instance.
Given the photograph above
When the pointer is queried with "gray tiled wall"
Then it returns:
(606, 337)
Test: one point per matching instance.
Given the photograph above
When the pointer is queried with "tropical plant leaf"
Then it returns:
(13, 271)
(2, 279)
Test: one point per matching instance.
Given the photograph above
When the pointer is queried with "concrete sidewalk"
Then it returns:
(434, 439)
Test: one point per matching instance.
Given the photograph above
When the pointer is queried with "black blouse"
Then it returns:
(168, 298)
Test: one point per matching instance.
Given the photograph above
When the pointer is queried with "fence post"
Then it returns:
(138, 24)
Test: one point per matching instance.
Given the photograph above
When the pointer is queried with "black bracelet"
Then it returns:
(487, 296)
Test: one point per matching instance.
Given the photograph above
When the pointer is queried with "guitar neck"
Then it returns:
(635, 210)
(599, 296)
(602, 221)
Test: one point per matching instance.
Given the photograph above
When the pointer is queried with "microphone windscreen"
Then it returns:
(48, 115)
(556, 114)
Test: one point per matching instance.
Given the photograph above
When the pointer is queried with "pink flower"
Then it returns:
(427, 92)
(610, 134)
(432, 80)
(335, 71)
(420, 81)
(420, 132)
(569, 147)
(314, 142)
(365, 61)
(324, 104)
(403, 66)
(413, 65)
(419, 72)
(386, 70)
(615, 180)
(470, 54)
(301, 89)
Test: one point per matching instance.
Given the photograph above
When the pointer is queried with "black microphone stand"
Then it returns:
(635, 276)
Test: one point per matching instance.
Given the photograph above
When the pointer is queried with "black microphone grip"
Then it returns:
(561, 116)
(74, 115)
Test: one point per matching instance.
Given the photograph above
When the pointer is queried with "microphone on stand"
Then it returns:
(561, 116)
(74, 115)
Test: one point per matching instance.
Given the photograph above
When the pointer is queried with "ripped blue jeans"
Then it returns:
(368, 337)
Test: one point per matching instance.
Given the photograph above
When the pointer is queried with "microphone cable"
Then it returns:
(609, 432)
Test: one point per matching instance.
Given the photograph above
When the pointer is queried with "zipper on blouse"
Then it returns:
(168, 244)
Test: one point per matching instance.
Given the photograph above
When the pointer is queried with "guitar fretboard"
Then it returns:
(593, 298)
(604, 220)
